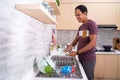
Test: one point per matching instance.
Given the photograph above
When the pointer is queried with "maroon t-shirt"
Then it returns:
(84, 31)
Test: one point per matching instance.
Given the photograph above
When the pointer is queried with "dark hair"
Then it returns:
(82, 8)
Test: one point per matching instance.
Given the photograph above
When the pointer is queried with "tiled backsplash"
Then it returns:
(105, 37)
(21, 40)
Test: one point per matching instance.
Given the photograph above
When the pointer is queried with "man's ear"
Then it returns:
(85, 13)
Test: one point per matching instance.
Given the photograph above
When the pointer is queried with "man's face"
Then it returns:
(79, 15)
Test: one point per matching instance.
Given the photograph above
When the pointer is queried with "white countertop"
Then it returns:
(116, 52)
(31, 74)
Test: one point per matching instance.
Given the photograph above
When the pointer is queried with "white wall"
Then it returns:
(22, 38)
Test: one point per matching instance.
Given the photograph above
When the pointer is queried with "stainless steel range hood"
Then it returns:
(107, 27)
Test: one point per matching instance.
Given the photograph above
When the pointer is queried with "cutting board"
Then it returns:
(118, 46)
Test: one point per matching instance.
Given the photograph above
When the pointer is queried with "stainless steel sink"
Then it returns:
(61, 61)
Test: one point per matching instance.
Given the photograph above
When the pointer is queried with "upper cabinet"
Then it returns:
(64, 19)
(88, 1)
(101, 12)
(38, 12)
(54, 5)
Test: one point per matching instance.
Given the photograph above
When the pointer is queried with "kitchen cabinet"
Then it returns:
(38, 12)
(74, 24)
(99, 67)
(67, 19)
(76, 1)
(118, 67)
(107, 66)
(102, 13)
(117, 13)
(54, 5)
(110, 66)
(64, 19)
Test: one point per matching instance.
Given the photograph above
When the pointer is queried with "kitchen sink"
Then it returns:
(61, 61)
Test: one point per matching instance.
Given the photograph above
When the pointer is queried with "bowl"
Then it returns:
(48, 69)
(66, 69)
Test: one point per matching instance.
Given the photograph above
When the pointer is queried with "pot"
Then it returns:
(107, 47)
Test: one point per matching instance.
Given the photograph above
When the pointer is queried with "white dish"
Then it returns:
(50, 62)
(41, 65)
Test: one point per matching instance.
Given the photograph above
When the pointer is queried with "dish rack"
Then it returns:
(61, 61)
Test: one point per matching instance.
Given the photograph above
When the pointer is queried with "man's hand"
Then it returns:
(73, 53)
(69, 48)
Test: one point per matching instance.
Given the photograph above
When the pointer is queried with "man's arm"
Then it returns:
(69, 47)
(91, 44)
(75, 41)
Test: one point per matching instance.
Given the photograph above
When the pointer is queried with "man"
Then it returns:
(86, 39)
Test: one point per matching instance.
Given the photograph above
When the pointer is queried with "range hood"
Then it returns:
(107, 27)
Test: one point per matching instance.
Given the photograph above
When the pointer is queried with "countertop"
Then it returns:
(115, 52)
(31, 74)
(60, 52)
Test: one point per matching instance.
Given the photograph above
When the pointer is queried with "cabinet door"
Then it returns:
(73, 21)
(64, 19)
(88, 1)
(110, 66)
(67, 19)
(99, 67)
(118, 67)
(102, 13)
(117, 8)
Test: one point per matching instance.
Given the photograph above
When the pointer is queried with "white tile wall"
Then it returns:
(105, 37)
(22, 38)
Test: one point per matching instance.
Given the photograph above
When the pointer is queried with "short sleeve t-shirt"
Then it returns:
(84, 32)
